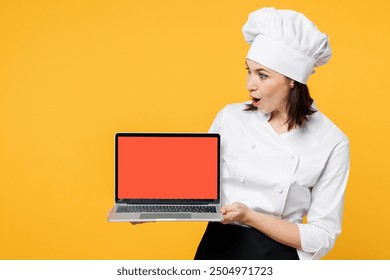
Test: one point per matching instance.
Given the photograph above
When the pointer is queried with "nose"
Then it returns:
(251, 83)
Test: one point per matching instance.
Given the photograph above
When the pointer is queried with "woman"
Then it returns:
(282, 159)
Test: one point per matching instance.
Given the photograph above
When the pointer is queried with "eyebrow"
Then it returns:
(257, 70)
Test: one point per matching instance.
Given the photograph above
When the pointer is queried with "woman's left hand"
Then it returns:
(236, 212)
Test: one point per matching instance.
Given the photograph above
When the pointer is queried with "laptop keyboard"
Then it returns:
(165, 208)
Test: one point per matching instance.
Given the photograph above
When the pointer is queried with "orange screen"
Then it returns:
(167, 167)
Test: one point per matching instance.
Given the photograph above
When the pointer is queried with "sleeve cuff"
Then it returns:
(311, 243)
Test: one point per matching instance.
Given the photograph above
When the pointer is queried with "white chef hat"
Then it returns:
(286, 42)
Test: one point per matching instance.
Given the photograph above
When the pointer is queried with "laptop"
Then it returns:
(166, 177)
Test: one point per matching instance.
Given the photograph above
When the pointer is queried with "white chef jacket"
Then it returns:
(298, 173)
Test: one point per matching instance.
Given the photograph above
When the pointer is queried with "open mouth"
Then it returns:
(255, 100)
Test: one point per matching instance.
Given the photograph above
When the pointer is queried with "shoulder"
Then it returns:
(230, 117)
(323, 129)
(235, 107)
(231, 114)
(234, 110)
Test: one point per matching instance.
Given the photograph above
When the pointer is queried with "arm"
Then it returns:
(324, 216)
(282, 231)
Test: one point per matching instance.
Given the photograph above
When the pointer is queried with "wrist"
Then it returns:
(248, 217)
(255, 219)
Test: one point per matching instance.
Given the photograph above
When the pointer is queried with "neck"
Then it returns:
(279, 117)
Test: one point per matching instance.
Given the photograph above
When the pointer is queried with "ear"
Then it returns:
(292, 83)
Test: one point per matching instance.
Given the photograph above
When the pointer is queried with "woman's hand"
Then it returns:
(236, 212)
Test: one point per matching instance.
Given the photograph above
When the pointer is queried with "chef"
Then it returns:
(283, 161)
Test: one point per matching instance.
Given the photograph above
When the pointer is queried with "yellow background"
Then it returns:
(72, 73)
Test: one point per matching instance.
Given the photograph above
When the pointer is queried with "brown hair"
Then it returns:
(298, 106)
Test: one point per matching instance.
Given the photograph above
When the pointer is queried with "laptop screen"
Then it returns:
(167, 166)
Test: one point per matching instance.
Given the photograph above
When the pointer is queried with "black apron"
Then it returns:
(232, 242)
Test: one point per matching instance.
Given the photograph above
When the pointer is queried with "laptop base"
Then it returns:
(162, 216)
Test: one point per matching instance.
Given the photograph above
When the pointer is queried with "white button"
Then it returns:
(242, 179)
(292, 156)
(280, 190)
(253, 146)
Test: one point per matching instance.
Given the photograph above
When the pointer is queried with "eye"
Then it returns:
(263, 76)
(247, 69)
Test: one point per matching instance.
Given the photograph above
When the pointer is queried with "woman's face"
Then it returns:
(268, 89)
